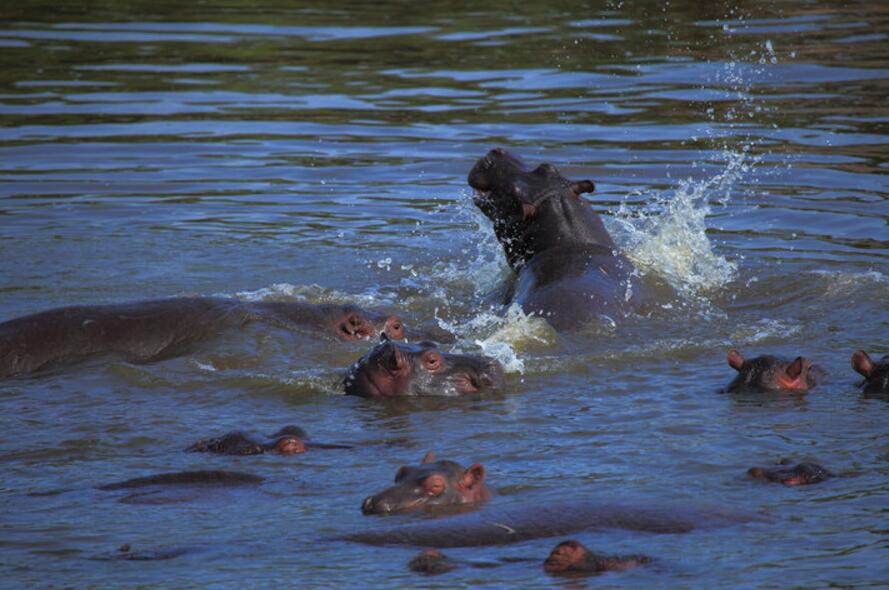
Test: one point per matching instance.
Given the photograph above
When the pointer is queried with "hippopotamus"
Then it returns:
(127, 553)
(290, 440)
(570, 557)
(568, 268)
(800, 475)
(167, 488)
(431, 561)
(770, 373)
(394, 369)
(432, 485)
(146, 331)
(524, 521)
(876, 374)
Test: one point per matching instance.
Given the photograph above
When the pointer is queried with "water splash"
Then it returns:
(669, 235)
(312, 294)
(500, 336)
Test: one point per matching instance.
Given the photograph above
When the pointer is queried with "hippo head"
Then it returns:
(430, 485)
(800, 475)
(394, 369)
(511, 196)
(353, 323)
(566, 556)
(769, 373)
(288, 441)
(876, 374)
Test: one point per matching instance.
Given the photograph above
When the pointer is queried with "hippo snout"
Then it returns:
(373, 506)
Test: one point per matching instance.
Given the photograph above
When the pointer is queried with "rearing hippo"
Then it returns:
(146, 331)
(394, 369)
(568, 269)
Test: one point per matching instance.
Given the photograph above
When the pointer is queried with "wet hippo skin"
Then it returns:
(770, 373)
(568, 270)
(290, 440)
(801, 474)
(571, 557)
(394, 369)
(429, 486)
(520, 522)
(876, 374)
(146, 331)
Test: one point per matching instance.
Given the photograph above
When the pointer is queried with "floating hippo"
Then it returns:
(182, 486)
(127, 553)
(431, 561)
(568, 270)
(800, 475)
(147, 331)
(394, 369)
(429, 486)
(876, 374)
(770, 373)
(570, 557)
(522, 522)
(290, 440)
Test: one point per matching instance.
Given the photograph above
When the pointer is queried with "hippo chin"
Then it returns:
(571, 557)
(568, 270)
(146, 331)
(394, 369)
(429, 486)
(770, 373)
(876, 374)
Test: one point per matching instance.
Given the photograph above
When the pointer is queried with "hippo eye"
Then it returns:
(432, 360)
(435, 485)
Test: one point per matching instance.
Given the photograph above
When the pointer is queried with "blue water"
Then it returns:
(299, 152)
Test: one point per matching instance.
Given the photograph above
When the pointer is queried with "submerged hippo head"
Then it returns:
(573, 557)
(511, 196)
(769, 373)
(876, 374)
(802, 474)
(353, 323)
(394, 369)
(430, 485)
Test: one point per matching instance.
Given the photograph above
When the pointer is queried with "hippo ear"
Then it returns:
(584, 186)
(473, 476)
(735, 360)
(795, 368)
(528, 211)
(429, 457)
(862, 363)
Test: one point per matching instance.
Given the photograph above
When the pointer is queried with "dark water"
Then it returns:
(296, 152)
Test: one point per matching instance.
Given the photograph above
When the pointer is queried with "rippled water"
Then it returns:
(287, 151)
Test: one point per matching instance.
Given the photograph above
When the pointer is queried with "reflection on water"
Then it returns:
(282, 151)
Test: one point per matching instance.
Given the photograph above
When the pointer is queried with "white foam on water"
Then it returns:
(669, 235)
(500, 336)
(311, 294)
(764, 330)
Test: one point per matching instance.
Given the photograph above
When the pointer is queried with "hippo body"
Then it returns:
(182, 486)
(431, 485)
(875, 373)
(770, 373)
(571, 557)
(511, 524)
(153, 330)
(568, 268)
(393, 369)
